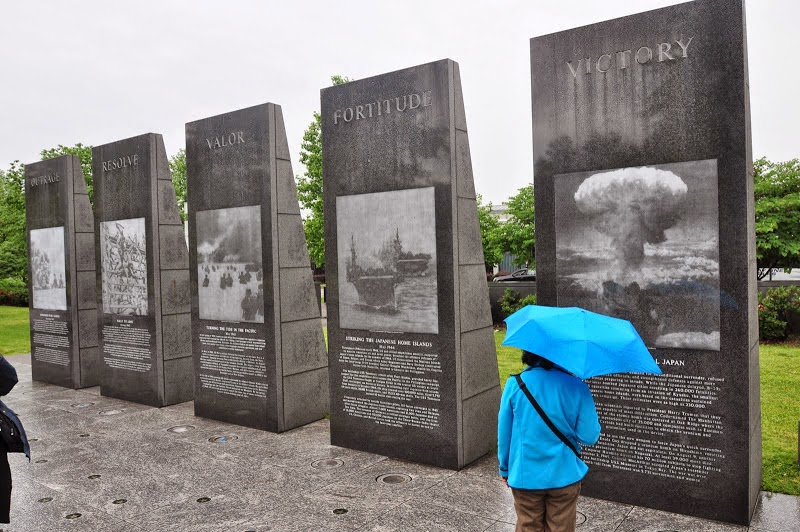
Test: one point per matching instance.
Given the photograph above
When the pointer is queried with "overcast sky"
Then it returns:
(99, 71)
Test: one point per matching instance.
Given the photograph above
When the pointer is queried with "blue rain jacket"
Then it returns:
(531, 456)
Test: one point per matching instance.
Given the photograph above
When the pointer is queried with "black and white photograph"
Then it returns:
(229, 273)
(48, 269)
(387, 261)
(123, 259)
(642, 244)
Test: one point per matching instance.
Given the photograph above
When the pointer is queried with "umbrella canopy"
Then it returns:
(584, 343)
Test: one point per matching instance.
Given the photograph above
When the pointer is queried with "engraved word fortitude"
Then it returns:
(226, 140)
(383, 107)
(662, 52)
(44, 179)
(120, 162)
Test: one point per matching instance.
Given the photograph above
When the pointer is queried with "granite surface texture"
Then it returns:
(104, 464)
(667, 90)
(405, 272)
(62, 303)
(142, 276)
(244, 220)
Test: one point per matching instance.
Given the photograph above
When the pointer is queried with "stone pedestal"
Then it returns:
(259, 353)
(143, 296)
(644, 211)
(63, 316)
(413, 368)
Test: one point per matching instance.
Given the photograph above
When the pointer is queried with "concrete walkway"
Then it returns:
(105, 464)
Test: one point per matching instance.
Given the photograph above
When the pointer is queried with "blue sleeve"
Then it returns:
(505, 420)
(588, 426)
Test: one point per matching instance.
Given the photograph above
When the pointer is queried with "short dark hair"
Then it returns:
(533, 360)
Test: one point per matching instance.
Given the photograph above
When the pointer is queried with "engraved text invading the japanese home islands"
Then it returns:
(126, 346)
(391, 381)
(663, 425)
(232, 361)
(50, 338)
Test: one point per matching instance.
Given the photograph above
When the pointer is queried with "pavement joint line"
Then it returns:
(467, 512)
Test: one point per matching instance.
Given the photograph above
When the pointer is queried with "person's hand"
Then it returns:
(505, 481)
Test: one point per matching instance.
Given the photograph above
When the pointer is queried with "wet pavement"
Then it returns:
(103, 464)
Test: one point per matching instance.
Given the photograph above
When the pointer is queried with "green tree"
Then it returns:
(516, 235)
(309, 186)
(13, 245)
(84, 153)
(777, 209)
(177, 167)
(489, 226)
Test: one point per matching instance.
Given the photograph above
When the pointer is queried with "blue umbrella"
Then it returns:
(582, 342)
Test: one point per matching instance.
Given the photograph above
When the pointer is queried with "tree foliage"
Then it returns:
(309, 186)
(777, 209)
(516, 235)
(84, 153)
(13, 245)
(489, 226)
(177, 167)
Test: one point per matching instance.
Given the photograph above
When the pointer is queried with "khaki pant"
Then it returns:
(547, 510)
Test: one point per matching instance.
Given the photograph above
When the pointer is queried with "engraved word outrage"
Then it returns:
(120, 162)
(383, 107)
(663, 52)
(44, 179)
(226, 140)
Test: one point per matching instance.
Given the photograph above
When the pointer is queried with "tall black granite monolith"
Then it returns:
(143, 296)
(259, 353)
(63, 315)
(413, 368)
(644, 210)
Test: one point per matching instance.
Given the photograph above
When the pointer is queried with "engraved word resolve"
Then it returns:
(44, 179)
(121, 162)
(382, 107)
(230, 139)
(662, 52)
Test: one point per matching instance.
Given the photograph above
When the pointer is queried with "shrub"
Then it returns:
(769, 326)
(511, 301)
(13, 292)
(774, 310)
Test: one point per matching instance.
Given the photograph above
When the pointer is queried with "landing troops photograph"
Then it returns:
(230, 275)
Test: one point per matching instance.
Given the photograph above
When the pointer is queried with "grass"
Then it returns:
(780, 414)
(508, 358)
(15, 337)
(780, 395)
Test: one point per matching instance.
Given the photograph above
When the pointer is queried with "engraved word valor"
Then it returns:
(226, 140)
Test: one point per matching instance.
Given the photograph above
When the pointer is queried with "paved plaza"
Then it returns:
(109, 465)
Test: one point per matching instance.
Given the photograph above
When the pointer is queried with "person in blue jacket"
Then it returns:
(544, 474)
(8, 379)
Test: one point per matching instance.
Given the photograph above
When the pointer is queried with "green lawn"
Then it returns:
(508, 358)
(780, 395)
(780, 414)
(15, 337)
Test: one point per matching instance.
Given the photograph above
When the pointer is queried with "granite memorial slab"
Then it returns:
(142, 280)
(644, 211)
(413, 367)
(259, 354)
(63, 310)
